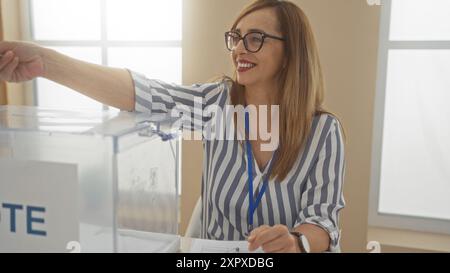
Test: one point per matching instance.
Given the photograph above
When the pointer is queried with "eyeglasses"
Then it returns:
(253, 41)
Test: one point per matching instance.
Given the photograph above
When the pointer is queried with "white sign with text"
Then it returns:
(38, 206)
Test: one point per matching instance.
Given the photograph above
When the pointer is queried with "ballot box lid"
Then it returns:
(111, 123)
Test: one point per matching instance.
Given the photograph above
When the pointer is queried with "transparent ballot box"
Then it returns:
(104, 181)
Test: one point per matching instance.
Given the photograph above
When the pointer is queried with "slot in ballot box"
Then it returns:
(104, 181)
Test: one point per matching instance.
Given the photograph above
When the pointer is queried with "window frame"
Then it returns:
(103, 44)
(377, 219)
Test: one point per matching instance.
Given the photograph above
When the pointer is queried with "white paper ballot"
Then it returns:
(217, 246)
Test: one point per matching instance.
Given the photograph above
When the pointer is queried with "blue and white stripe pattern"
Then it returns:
(311, 193)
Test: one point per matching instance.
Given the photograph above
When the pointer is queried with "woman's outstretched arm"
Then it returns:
(22, 61)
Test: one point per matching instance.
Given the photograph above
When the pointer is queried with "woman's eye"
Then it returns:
(256, 39)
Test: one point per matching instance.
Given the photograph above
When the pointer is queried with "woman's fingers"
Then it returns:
(278, 244)
(7, 72)
(272, 239)
(253, 238)
(284, 250)
(263, 235)
(6, 59)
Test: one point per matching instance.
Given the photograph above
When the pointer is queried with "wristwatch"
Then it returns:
(302, 241)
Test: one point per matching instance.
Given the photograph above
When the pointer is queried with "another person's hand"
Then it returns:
(275, 239)
(20, 61)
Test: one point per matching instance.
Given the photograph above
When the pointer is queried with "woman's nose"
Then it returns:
(240, 48)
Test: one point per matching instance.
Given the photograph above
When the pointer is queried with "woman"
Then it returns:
(297, 193)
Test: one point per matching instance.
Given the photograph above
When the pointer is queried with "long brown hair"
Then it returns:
(301, 85)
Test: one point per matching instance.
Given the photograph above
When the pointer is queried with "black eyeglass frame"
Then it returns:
(263, 34)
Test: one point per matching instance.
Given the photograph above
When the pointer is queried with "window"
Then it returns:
(141, 35)
(411, 151)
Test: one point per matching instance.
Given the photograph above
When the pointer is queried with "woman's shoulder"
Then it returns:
(325, 123)
(223, 81)
(215, 86)
(226, 83)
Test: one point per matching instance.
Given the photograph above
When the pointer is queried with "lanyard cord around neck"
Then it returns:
(253, 204)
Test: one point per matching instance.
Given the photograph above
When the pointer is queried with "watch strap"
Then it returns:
(298, 235)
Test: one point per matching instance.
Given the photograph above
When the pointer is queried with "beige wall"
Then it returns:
(347, 34)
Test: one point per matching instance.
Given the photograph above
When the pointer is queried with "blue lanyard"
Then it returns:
(253, 204)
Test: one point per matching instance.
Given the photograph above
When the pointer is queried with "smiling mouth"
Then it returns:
(245, 66)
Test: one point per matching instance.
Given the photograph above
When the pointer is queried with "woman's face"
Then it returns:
(268, 60)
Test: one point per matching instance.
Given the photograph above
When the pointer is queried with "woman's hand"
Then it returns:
(275, 239)
(20, 61)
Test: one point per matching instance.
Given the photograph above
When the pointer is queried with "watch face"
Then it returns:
(305, 243)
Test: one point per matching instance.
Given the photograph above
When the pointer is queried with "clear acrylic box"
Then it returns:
(88, 181)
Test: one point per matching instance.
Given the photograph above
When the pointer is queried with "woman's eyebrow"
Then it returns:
(250, 30)
(256, 30)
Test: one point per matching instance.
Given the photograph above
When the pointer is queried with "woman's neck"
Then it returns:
(260, 96)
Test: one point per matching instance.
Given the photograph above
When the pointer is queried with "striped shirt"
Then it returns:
(311, 192)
